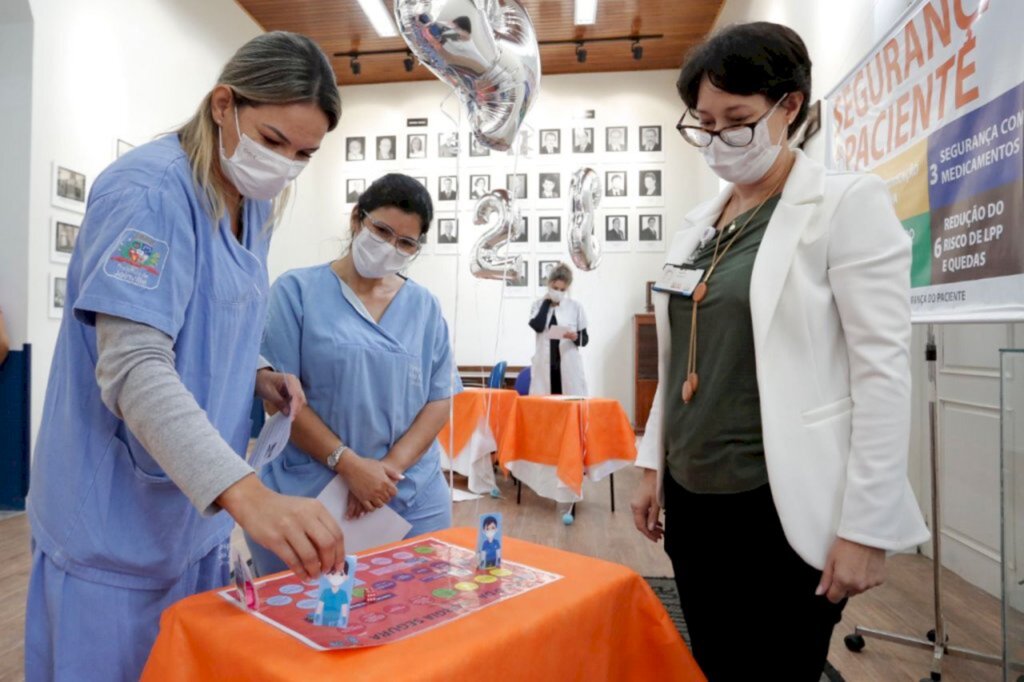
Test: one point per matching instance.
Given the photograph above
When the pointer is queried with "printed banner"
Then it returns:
(937, 111)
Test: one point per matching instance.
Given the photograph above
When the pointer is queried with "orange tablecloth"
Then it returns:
(601, 622)
(572, 437)
(470, 407)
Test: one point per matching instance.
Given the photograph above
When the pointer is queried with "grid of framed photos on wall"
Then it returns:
(458, 171)
(68, 192)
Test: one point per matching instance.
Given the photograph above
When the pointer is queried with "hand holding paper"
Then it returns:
(272, 439)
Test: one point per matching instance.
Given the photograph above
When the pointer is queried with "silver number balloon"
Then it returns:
(497, 211)
(487, 50)
(583, 240)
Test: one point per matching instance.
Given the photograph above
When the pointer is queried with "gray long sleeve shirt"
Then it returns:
(139, 383)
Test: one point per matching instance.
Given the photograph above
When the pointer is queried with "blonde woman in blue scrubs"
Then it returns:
(146, 414)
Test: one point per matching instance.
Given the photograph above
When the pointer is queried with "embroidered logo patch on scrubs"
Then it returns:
(138, 259)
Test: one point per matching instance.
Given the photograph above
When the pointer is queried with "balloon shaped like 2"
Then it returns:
(486, 50)
(497, 212)
(584, 242)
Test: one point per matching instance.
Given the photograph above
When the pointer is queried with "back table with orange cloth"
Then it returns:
(552, 442)
(601, 622)
(480, 416)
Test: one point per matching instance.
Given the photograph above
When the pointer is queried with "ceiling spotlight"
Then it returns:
(356, 66)
(581, 53)
(408, 62)
(638, 51)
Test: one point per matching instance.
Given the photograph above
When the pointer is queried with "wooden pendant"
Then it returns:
(690, 387)
(699, 292)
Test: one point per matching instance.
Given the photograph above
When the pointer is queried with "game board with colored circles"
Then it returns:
(400, 592)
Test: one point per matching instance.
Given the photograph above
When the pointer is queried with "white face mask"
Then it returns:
(375, 259)
(745, 165)
(490, 534)
(555, 295)
(257, 172)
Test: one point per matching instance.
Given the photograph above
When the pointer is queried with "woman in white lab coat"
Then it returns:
(557, 366)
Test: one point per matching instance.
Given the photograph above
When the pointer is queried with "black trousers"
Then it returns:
(747, 597)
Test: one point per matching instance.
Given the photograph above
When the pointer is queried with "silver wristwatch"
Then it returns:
(335, 457)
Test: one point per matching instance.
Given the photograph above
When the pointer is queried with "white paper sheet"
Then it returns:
(558, 332)
(464, 496)
(272, 439)
(371, 530)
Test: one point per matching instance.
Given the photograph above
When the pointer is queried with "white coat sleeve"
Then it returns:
(869, 260)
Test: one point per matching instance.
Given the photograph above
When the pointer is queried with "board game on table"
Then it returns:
(400, 592)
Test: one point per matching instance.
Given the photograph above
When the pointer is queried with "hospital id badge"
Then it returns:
(680, 280)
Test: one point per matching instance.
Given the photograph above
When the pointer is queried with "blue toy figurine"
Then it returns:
(490, 541)
(335, 596)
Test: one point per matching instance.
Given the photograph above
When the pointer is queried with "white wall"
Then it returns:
(108, 69)
(16, 122)
(611, 295)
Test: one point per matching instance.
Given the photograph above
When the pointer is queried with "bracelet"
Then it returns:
(335, 456)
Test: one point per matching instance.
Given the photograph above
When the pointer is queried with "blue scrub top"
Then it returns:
(99, 505)
(366, 381)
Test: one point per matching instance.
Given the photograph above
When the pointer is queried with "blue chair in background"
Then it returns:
(497, 379)
(523, 382)
(15, 427)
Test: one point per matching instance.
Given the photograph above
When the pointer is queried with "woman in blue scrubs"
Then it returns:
(371, 349)
(152, 381)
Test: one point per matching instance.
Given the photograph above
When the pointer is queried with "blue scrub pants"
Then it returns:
(430, 511)
(83, 631)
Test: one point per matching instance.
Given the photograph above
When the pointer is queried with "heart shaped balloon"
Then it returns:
(487, 50)
(584, 242)
(497, 211)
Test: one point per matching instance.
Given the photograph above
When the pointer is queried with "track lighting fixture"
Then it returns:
(638, 51)
(356, 66)
(581, 53)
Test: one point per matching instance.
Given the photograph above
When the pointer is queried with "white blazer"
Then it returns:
(830, 306)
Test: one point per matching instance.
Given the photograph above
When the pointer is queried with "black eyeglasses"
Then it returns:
(734, 136)
(406, 246)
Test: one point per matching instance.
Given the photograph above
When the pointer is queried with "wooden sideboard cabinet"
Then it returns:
(645, 367)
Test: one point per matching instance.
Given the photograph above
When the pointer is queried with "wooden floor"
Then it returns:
(902, 605)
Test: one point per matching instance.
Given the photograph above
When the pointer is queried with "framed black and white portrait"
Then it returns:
(583, 140)
(615, 184)
(521, 282)
(447, 231)
(516, 183)
(476, 148)
(550, 229)
(447, 145)
(353, 188)
(650, 139)
(447, 188)
(549, 186)
(650, 183)
(355, 148)
(479, 185)
(63, 236)
(58, 294)
(544, 268)
(68, 189)
(616, 139)
(522, 234)
(416, 146)
(616, 232)
(650, 232)
(550, 141)
(385, 147)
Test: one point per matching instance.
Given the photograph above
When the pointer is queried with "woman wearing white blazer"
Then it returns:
(778, 437)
